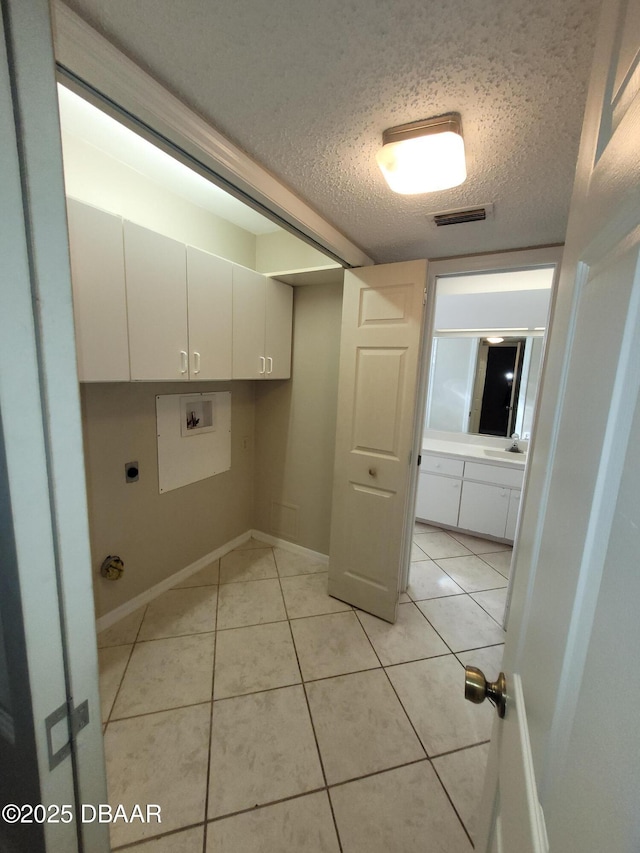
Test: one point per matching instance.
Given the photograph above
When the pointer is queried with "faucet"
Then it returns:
(514, 446)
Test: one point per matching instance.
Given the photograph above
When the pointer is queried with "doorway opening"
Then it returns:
(482, 356)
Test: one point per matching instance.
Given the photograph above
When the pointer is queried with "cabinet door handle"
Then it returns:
(184, 363)
(270, 360)
(196, 362)
(263, 365)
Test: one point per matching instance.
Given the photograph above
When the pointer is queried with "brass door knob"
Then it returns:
(477, 689)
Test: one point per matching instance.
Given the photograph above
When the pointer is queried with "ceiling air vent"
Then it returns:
(456, 217)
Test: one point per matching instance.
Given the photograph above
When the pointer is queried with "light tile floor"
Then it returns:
(264, 716)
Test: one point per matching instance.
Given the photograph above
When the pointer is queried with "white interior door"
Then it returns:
(573, 619)
(379, 360)
(45, 582)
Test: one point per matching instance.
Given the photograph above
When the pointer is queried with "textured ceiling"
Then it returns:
(307, 87)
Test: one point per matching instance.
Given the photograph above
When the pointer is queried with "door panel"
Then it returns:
(575, 524)
(248, 324)
(377, 407)
(210, 315)
(46, 601)
(279, 308)
(438, 499)
(156, 269)
(521, 826)
(99, 293)
(381, 325)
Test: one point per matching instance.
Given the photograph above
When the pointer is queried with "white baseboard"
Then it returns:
(148, 595)
(290, 546)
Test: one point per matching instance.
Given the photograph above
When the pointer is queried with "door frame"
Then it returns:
(513, 261)
(46, 506)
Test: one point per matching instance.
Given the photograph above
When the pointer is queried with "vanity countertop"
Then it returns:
(477, 452)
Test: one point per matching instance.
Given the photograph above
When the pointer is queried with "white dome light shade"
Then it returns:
(424, 156)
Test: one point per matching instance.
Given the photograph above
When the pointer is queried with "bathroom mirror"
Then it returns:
(487, 350)
(484, 388)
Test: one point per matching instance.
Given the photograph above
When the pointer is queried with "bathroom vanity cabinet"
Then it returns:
(470, 495)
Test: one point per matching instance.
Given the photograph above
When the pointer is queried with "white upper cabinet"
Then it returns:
(99, 294)
(262, 312)
(279, 311)
(209, 291)
(249, 306)
(156, 271)
(149, 308)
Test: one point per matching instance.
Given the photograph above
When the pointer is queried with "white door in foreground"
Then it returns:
(48, 661)
(573, 626)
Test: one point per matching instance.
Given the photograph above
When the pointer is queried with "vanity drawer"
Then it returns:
(495, 474)
(442, 465)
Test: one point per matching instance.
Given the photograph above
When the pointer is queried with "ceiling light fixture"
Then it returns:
(495, 340)
(424, 156)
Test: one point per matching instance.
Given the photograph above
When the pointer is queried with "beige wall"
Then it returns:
(295, 426)
(281, 252)
(281, 484)
(92, 176)
(157, 535)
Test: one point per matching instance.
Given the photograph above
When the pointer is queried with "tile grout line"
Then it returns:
(488, 553)
(458, 815)
(131, 845)
(484, 608)
(442, 568)
(462, 823)
(460, 749)
(303, 682)
(406, 713)
(424, 615)
(446, 792)
(124, 672)
(213, 684)
(455, 654)
(306, 698)
(420, 741)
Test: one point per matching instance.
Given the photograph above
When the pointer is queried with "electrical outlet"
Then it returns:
(245, 442)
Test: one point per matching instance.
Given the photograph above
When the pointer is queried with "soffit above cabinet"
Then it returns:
(113, 168)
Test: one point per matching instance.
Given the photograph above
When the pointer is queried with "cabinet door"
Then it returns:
(99, 295)
(438, 499)
(483, 508)
(209, 289)
(249, 360)
(157, 304)
(278, 323)
(512, 515)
